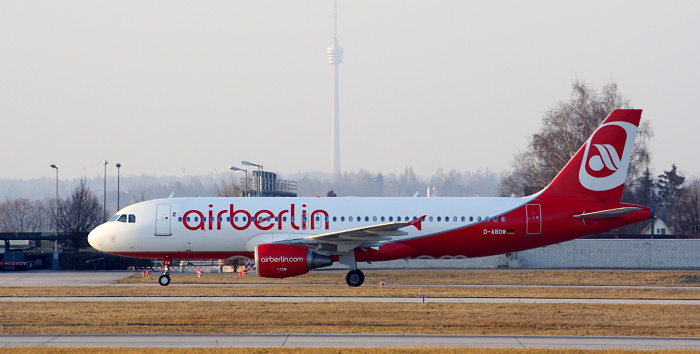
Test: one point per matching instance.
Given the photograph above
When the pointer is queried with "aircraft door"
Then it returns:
(533, 214)
(163, 220)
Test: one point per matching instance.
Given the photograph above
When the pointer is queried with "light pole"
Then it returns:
(104, 200)
(118, 167)
(260, 169)
(55, 247)
(234, 168)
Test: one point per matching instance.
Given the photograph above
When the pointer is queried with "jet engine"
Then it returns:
(284, 261)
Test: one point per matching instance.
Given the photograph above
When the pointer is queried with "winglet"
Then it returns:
(417, 222)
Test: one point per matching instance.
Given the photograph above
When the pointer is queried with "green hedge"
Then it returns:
(99, 261)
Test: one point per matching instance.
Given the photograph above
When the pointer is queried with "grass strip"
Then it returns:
(344, 290)
(349, 318)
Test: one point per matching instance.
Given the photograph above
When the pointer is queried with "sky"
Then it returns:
(192, 87)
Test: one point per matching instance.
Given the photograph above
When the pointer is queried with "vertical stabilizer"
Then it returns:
(599, 169)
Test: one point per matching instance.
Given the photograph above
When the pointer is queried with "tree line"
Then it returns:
(564, 130)
(76, 215)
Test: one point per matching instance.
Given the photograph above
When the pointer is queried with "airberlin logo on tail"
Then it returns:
(607, 156)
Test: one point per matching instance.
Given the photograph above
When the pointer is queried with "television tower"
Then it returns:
(335, 57)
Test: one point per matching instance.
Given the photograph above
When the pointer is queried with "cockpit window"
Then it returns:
(131, 218)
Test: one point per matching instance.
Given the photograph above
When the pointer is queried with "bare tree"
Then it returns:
(79, 214)
(564, 130)
(228, 189)
(23, 215)
(684, 217)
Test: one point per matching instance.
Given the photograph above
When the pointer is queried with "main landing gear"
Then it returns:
(355, 277)
(164, 279)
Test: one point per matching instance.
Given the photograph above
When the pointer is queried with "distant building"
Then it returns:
(660, 228)
(268, 185)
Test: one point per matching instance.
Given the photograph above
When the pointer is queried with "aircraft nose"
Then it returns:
(96, 238)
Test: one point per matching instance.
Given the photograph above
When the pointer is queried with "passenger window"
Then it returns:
(366, 218)
(391, 218)
(382, 219)
(503, 219)
(464, 219)
(430, 219)
(454, 218)
(342, 218)
(447, 218)
(359, 218)
(179, 219)
(374, 218)
(478, 218)
(335, 218)
(350, 218)
(132, 218)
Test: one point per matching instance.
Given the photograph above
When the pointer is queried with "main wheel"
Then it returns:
(355, 277)
(164, 280)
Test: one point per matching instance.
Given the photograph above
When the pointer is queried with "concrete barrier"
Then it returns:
(585, 253)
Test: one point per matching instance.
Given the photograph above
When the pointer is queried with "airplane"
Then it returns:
(289, 236)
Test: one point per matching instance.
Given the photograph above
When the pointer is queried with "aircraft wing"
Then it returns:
(373, 233)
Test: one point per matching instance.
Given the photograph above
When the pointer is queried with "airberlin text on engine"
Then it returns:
(241, 219)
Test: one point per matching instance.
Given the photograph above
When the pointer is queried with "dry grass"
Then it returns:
(349, 318)
(328, 351)
(458, 277)
(344, 290)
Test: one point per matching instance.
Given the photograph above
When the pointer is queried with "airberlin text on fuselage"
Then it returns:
(241, 219)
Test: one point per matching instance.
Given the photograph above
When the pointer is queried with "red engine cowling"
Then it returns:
(284, 261)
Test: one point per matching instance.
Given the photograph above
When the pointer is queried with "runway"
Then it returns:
(63, 278)
(292, 299)
(346, 341)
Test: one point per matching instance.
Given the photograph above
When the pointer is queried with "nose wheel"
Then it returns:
(164, 280)
(355, 277)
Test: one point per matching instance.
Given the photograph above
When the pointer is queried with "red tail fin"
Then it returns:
(599, 168)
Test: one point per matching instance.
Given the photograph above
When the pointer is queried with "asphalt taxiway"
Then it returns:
(346, 341)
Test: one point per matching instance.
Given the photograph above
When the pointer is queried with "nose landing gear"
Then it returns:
(164, 280)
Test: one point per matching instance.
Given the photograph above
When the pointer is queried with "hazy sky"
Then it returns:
(191, 87)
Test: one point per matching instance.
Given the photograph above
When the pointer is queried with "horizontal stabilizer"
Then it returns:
(607, 214)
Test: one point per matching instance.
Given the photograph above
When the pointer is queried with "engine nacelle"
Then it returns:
(284, 261)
